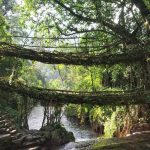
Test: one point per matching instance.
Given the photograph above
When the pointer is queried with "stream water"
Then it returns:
(83, 134)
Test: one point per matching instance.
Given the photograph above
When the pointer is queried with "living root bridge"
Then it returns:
(71, 58)
(62, 96)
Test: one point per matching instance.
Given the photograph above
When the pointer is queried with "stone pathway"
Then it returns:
(13, 139)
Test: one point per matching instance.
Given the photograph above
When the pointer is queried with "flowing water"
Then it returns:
(83, 134)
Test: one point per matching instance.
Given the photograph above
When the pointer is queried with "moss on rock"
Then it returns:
(57, 135)
(136, 141)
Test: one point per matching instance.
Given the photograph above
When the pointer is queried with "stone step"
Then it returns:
(3, 116)
(5, 124)
(31, 148)
(12, 132)
(4, 136)
(30, 144)
(3, 131)
(23, 140)
(3, 121)
(20, 140)
(12, 128)
(33, 137)
(5, 142)
(9, 129)
(16, 136)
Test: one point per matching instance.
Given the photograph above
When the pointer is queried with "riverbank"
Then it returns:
(85, 139)
(135, 141)
(83, 134)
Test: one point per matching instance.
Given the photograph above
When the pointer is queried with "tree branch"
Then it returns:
(117, 29)
(145, 12)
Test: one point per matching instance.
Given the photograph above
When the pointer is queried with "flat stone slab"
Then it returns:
(32, 148)
(4, 136)
(5, 141)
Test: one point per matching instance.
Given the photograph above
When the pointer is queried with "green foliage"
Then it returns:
(114, 122)
(7, 65)
(80, 79)
(112, 118)
(79, 112)
(8, 104)
(110, 126)
(4, 28)
(96, 115)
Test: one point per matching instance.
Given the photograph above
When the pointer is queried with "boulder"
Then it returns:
(57, 135)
